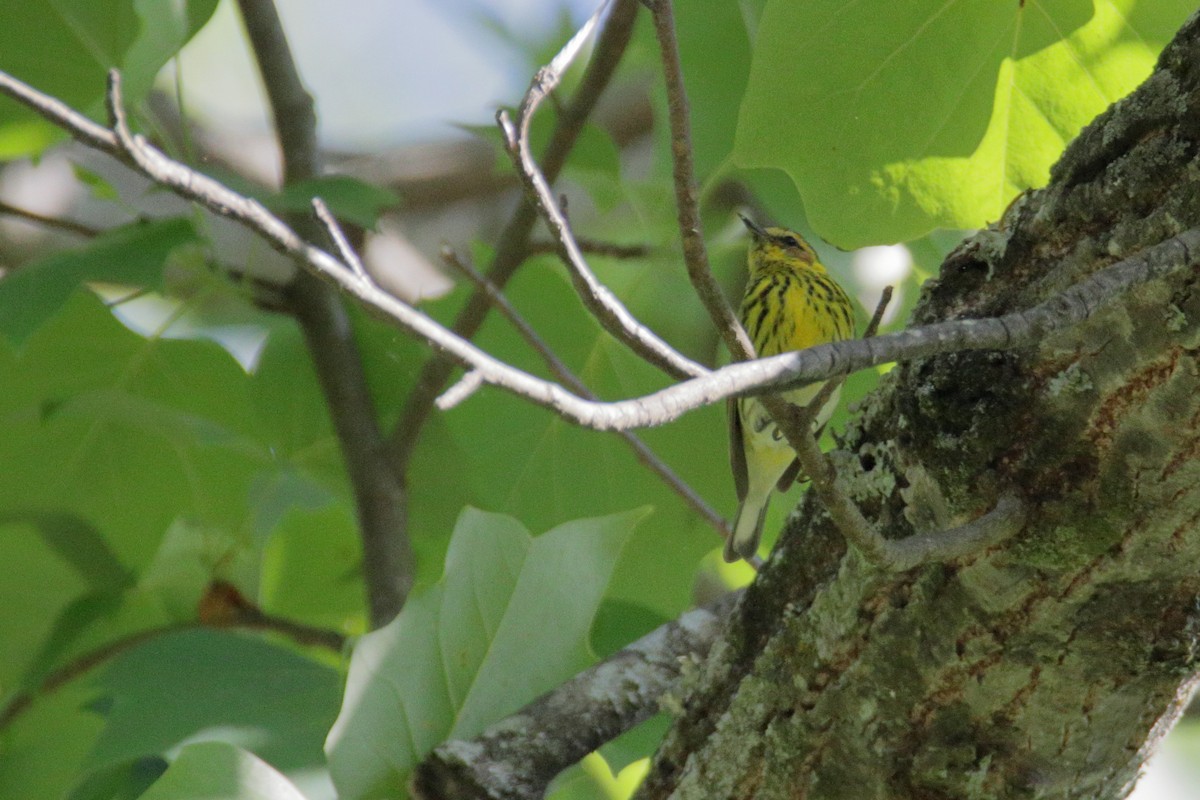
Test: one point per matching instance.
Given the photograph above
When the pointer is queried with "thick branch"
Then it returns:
(516, 758)
(1051, 666)
(378, 493)
(291, 104)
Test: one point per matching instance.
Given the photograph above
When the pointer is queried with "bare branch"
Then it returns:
(467, 386)
(337, 238)
(61, 115)
(600, 301)
(77, 228)
(784, 371)
(1005, 520)
(291, 104)
(379, 493)
(512, 246)
(687, 201)
(885, 299)
(516, 758)
(563, 373)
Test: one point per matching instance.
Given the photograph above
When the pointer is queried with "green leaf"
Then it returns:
(45, 746)
(212, 770)
(348, 198)
(239, 689)
(619, 622)
(128, 780)
(637, 743)
(77, 542)
(132, 255)
(895, 118)
(593, 778)
(163, 30)
(99, 187)
(34, 592)
(714, 49)
(65, 48)
(518, 459)
(87, 39)
(312, 569)
(127, 433)
(167, 595)
(507, 622)
(596, 164)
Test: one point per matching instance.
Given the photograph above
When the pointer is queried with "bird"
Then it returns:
(790, 303)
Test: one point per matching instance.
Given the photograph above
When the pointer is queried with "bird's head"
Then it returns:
(774, 248)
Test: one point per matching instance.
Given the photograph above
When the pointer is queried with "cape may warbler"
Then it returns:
(790, 303)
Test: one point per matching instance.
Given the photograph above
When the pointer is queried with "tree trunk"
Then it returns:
(1047, 668)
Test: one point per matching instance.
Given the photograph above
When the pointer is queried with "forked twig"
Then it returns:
(563, 373)
(786, 371)
(611, 313)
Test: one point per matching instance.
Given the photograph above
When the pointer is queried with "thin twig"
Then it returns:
(687, 203)
(613, 316)
(77, 228)
(458, 392)
(379, 493)
(236, 612)
(498, 300)
(337, 238)
(512, 246)
(885, 299)
(223, 606)
(777, 373)
(595, 247)
(645, 456)
(516, 758)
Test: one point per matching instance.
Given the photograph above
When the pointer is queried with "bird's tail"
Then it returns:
(747, 527)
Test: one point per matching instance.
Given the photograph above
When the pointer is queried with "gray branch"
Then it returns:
(785, 371)
(613, 316)
(687, 201)
(516, 758)
(379, 495)
(513, 244)
(645, 456)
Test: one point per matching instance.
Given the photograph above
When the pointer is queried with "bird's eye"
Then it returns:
(791, 241)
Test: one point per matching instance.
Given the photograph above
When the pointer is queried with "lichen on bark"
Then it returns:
(1047, 667)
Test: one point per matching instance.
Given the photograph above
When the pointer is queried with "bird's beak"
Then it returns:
(758, 232)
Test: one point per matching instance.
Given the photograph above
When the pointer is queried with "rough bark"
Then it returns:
(1048, 667)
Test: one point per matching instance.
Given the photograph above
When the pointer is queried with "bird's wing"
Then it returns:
(737, 450)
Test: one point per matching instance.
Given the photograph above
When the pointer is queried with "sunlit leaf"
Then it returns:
(895, 118)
